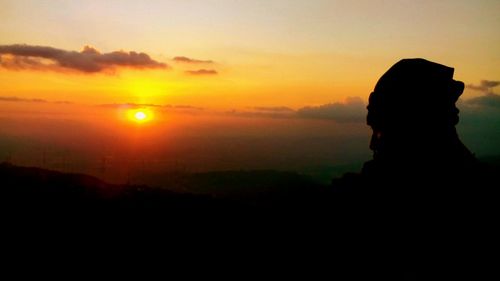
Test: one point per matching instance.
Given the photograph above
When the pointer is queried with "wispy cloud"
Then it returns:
(279, 109)
(484, 86)
(488, 100)
(129, 105)
(261, 113)
(353, 109)
(188, 107)
(150, 105)
(265, 112)
(190, 60)
(88, 60)
(202, 72)
(35, 100)
(17, 99)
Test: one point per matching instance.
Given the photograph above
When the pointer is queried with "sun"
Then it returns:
(139, 115)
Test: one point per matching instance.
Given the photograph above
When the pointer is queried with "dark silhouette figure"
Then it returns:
(413, 115)
(415, 144)
(423, 184)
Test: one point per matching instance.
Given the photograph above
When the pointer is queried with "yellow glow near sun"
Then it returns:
(140, 115)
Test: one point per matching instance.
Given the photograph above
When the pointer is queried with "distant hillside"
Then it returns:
(35, 189)
(39, 188)
(31, 188)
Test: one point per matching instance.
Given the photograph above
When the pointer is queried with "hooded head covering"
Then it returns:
(412, 93)
(413, 107)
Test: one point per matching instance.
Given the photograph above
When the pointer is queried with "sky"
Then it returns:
(233, 68)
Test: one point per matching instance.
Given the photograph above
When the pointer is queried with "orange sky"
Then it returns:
(264, 53)
(260, 84)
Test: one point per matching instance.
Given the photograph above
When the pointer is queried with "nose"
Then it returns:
(457, 89)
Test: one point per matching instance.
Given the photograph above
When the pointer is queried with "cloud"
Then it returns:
(264, 111)
(353, 109)
(187, 107)
(479, 125)
(129, 105)
(260, 114)
(488, 100)
(89, 60)
(484, 86)
(190, 60)
(158, 106)
(16, 99)
(275, 109)
(201, 72)
(19, 63)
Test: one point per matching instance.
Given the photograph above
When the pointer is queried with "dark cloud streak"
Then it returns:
(143, 105)
(128, 105)
(351, 111)
(17, 99)
(89, 60)
(201, 72)
(484, 86)
(278, 109)
(190, 60)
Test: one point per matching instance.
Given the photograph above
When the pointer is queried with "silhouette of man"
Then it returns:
(422, 179)
(413, 115)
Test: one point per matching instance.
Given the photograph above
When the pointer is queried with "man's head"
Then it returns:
(413, 108)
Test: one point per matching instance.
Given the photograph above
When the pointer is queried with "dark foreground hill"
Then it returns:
(261, 212)
(227, 192)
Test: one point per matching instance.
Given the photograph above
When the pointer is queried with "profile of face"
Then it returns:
(412, 108)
